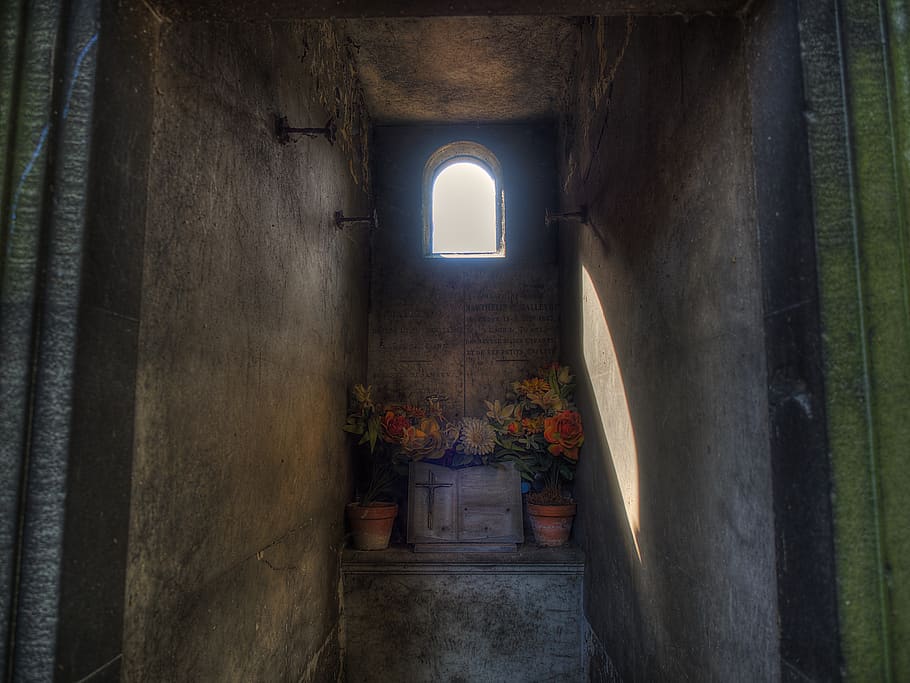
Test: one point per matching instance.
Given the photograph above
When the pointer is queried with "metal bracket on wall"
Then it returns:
(580, 216)
(341, 219)
(283, 131)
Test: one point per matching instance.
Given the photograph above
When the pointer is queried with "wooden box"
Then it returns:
(469, 509)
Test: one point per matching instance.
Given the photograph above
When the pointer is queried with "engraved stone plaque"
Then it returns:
(465, 335)
(474, 508)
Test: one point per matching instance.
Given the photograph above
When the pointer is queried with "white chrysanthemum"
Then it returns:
(477, 436)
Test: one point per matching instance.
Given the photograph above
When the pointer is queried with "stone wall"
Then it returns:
(663, 319)
(464, 328)
(252, 329)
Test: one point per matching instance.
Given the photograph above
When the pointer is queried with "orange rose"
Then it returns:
(564, 433)
(423, 442)
(394, 427)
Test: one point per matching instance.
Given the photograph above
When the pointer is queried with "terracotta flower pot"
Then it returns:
(551, 523)
(371, 524)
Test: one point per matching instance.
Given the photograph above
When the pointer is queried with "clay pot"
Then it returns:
(371, 524)
(551, 523)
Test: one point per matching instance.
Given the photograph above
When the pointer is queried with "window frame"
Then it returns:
(452, 153)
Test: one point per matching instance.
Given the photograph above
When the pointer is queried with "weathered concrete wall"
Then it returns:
(253, 327)
(663, 318)
(464, 328)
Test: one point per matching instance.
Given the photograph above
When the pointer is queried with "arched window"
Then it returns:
(463, 203)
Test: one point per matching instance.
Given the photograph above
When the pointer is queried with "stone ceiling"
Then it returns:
(283, 10)
(434, 61)
(462, 69)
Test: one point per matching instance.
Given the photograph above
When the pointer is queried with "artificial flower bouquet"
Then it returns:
(541, 431)
(536, 427)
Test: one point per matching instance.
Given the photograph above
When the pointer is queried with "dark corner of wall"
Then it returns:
(801, 474)
(91, 612)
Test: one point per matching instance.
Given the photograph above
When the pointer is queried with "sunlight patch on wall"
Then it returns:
(612, 404)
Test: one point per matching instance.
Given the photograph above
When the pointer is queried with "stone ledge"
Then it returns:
(463, 616)
(528, 559)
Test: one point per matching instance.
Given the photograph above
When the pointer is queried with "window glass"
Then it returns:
(463, 203)
(464, 210)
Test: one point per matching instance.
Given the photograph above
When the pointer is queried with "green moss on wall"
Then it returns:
(858, 137)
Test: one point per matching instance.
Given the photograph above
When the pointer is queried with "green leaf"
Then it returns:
(566, 472)
(353, 425)
(373, 431)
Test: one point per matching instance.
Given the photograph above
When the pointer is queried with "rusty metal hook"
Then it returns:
(283, 131)
(341, 219)
(580, 216)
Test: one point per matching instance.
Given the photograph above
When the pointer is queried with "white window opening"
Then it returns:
(463, 203)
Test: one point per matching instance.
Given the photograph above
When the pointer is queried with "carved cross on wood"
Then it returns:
(430, 485)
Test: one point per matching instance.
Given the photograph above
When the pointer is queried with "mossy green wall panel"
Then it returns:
(10, 34)
(856, 74)
(28, 88)
(891, 342)
(46, 98)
